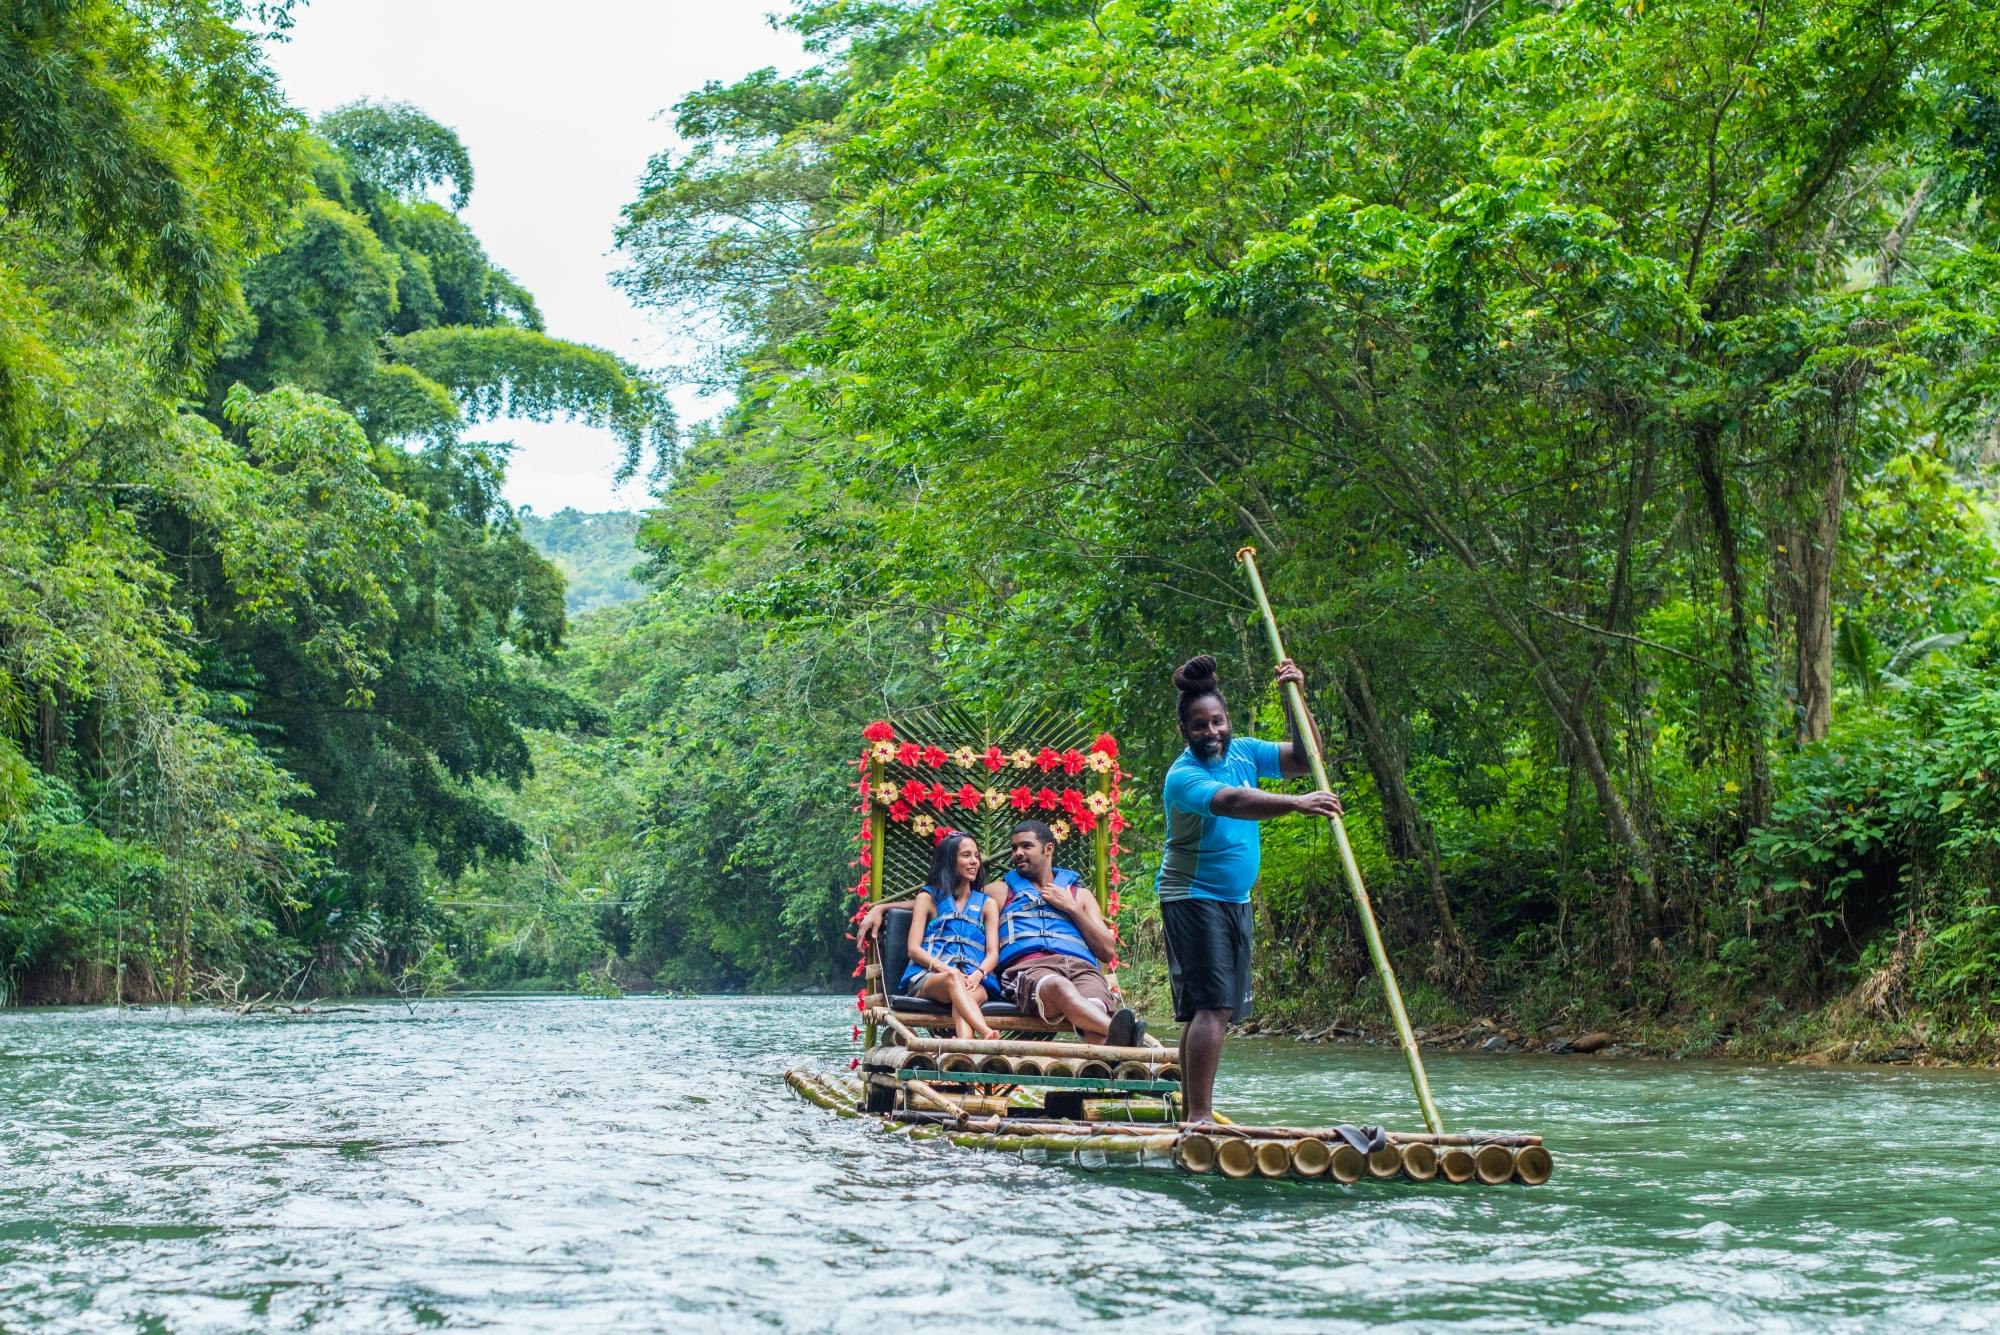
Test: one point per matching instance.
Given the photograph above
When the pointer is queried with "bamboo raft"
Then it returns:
(1070, 1101)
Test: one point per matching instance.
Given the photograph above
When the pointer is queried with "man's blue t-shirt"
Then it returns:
(1210, 856)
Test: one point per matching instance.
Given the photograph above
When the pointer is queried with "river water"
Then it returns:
(637, 1165)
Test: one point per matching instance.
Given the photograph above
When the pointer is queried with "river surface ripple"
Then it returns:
(577, 1165)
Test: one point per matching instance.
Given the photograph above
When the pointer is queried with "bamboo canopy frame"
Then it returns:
(1295, 700)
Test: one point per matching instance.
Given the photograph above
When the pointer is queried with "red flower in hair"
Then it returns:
(994, 759)
(907, 753)
(934, 756)
(939, 796)
(944, 832)
(1020, 798)
(1072, 801)
(1047, 759)
(968, 797)
(1107, 744)
(1072, 761)
(879, 731)
(1047, 799)
(899, 811)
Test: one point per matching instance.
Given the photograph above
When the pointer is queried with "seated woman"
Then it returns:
(955, 938)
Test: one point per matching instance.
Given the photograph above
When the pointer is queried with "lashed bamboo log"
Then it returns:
(1031, 1065)
(1035, 1047)
(1493, 1163)
(993, 1063)
(1062, 1066)
(1310, 1157)
(1346, 1163)
(1456, 1164)
(1234, 1158)
(1532, 1165)
(943, 1102)
(1124, 1110)
(958, 1061)
(1196, 1152)
(1513, 1140)
(1273, 1158)
(1386, 1162)
(1420, 1161)
(1133, 1071)
(1093, 1068)
(813, 1090)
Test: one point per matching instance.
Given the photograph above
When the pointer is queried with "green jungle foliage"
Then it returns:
(598, 554)
(1609, 389)
(265, 619)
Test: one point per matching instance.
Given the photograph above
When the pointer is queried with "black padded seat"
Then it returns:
(895, 950)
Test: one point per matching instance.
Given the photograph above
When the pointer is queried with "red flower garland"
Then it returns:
(913, 793)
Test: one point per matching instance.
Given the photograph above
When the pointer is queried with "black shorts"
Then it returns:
(1208, 956)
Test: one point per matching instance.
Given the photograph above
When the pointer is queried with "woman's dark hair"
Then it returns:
(1196, 680)
(942, 881)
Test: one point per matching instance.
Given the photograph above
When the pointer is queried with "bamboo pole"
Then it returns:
(1363, 908)
(1124, 1110)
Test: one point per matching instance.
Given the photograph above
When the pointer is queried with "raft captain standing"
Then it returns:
(1213, 805)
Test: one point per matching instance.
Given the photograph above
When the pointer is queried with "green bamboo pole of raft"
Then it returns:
(1296, 701)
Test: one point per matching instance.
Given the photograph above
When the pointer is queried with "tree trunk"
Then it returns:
(1407, 831)
(1810, 557)
(1747, 723)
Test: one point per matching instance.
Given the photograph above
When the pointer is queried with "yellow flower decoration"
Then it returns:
(886, 793)
(922, 825)
(964, 757)
(1060, 829)
(883, 751)
(995, 799)
(1098, 762)
(1020, 759)
(1099, 803)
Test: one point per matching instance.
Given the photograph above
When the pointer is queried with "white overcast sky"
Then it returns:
(560, 106)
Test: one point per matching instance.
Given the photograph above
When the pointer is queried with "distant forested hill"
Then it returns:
(593, 551)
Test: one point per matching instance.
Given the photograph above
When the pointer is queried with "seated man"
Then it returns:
(1052, 937)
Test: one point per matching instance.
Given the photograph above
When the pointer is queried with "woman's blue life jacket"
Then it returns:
(1030, 925)
(955, 935)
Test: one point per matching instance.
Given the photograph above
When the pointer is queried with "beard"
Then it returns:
(1210, 750)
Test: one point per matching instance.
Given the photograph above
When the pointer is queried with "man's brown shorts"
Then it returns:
(1022, 983)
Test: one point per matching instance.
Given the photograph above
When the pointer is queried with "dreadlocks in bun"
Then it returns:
(1196, 681)
(1196, 676)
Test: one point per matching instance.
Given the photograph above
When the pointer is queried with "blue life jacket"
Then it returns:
(955, 936)
(1030, 925)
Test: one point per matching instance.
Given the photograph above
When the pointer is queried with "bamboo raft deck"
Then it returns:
(1100, 1107)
